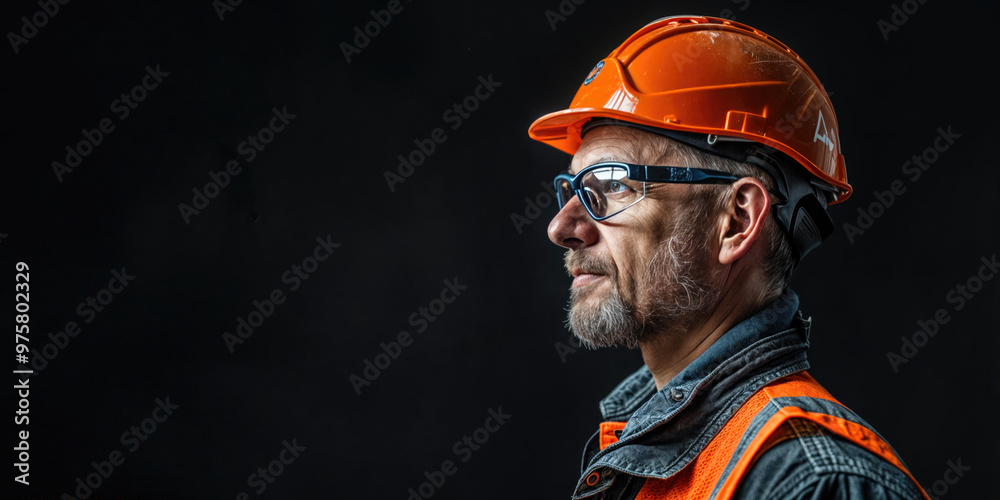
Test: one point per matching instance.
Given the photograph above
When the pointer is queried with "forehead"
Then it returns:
(608, 143)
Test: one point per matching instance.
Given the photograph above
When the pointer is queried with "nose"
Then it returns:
(572, 227)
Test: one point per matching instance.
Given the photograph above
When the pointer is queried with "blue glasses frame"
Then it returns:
(567, 185)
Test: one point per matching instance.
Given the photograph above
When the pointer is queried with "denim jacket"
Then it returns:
(666, 429)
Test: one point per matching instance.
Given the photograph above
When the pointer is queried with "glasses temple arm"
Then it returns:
(651, 173)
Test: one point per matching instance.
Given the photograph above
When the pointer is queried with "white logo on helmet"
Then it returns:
(825, 138)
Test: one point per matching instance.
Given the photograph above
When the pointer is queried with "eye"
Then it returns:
(613, 187)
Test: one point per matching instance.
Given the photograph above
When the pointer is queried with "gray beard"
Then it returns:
(677, 282)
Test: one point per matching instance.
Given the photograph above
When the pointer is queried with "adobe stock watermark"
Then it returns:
(421, 319)
(380, 20)
(293, 277)
(913, 169)
(533, 206)
(951, 476)
(223, 7)
(22, 451)
(463, 450)
(249, 149)
(266, 475)
(789, 123)
(566, 8)
(455, 115)
(898, 17)
(88, 309)
(30, 26)
(728, 13)
(122, 107)
(564, 349)
(134, 437)
(957, 297)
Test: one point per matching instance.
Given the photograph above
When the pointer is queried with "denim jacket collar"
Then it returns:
(699, 400)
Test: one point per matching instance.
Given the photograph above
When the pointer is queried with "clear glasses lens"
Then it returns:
(608, 190)
(564, 191)
(605, 191)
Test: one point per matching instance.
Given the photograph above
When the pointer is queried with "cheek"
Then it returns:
(633, 244)
(631, 260)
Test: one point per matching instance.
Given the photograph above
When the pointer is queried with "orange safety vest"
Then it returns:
(715, 473)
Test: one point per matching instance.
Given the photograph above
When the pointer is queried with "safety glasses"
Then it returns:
(608, 188)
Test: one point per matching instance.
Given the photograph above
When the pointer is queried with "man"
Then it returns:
(704, 155)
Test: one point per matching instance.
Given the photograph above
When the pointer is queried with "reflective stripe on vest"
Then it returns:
(716, 472)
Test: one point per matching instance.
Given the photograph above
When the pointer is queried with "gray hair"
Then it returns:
(779, 261)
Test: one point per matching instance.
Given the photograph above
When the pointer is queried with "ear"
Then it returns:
(744, 215)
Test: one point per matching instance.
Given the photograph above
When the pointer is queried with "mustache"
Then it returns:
(588, 263)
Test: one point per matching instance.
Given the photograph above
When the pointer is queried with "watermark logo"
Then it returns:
(565, 349)
(463, 449)
(729, 14)
(87, 309)
(898, 17)
(421, 319)
(914, 169)
(566, 8)
(266, 475)
(788, 124)
(23, 418)
(134, 438)
(380, 20)
(455, 114)
(223, 8)
(249, 149)
(957, 297)
(122, 107)
(533, 207)
(952, 475)
(293, 277)
(38, 20)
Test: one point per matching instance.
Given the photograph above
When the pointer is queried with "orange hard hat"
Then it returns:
(711, 77)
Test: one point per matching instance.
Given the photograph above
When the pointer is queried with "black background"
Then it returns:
(496, 345)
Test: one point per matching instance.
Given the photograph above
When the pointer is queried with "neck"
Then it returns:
(667, 354)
